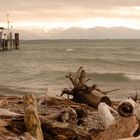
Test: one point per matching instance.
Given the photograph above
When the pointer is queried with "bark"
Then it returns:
(31, 117)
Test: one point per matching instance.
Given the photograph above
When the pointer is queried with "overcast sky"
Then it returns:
(71, 13)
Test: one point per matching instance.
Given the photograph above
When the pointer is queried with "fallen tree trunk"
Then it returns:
(83, 93)
(31, 118)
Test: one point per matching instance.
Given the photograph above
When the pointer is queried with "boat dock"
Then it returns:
(8, 41)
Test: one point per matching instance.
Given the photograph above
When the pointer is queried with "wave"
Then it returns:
(114, 77)
(69, 50)
(109, 61)
(93, 60)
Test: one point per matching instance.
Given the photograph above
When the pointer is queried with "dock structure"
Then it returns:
(7, 41)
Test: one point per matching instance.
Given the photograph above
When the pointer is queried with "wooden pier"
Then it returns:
(8, 42)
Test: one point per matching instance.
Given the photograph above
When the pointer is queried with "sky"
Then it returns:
(50, 14)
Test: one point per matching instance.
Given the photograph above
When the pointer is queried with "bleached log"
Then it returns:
(105, 114)
(31, 117)
(5, 113)
(126, 107)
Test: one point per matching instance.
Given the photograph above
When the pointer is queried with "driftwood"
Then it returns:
(83, 93)
(123, 128)
(137, 114)
(133, 138)
(63, 119)
(3, 102)
(105, 114)
(126, 107)
(55, 130)
(31, 118)
(5, 113)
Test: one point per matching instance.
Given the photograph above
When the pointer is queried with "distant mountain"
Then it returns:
(79, 33)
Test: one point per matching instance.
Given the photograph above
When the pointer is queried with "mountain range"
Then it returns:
(80, 33)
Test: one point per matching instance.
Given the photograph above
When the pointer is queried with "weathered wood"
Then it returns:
(95, 97)
(5, 113)
(126, 107)
(105, 114)
(123, 128)
(55, 130)
(3, 102)
(133, 138)
(137, 113)
(83, 93)
(31, 117)
(17, 40)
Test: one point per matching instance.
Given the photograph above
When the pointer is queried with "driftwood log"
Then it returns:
(54, 130)
(31, 117)
(82, 93)
(126, 107)
(123, 128)
(105, 114)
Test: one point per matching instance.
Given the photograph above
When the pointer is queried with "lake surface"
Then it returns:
(43, 64)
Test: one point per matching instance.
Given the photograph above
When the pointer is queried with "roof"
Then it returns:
(2, 28)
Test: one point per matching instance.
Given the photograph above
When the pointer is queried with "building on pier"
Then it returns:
(7, 41)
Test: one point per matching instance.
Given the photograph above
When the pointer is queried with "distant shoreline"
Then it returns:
(78, 39)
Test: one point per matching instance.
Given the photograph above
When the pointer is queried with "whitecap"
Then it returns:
(69, 50)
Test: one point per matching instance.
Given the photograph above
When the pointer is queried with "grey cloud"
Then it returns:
(52, 10)
(54, 4)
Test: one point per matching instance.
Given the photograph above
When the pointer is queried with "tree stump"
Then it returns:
(82, 93)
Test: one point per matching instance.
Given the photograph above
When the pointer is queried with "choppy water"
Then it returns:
(39, 65)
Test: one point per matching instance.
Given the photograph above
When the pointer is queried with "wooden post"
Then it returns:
(16, 40)
(0, 40)
(11, 41)
(31, 117)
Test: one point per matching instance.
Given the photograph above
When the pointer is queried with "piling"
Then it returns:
(11, 41)
(7, 41)
(16, 40)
